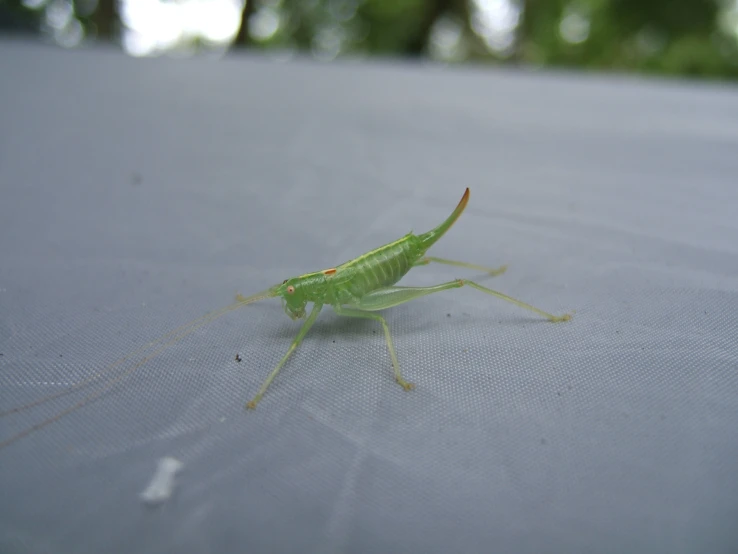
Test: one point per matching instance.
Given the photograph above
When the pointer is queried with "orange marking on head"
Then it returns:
(330, 271)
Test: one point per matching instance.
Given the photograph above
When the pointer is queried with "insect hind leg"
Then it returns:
(493, 271)
(519, 303)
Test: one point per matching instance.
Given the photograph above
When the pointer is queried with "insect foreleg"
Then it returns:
(295, 343)
(352, 312)
(493, 271)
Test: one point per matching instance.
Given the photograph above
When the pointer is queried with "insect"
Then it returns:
(357, 288)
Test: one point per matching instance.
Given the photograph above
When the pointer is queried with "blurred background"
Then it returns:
(688, 38)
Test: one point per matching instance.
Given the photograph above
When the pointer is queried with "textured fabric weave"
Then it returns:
(139, 194)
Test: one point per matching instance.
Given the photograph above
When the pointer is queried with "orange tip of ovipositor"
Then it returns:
(464, 200)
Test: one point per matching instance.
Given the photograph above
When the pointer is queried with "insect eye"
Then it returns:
(290, 289)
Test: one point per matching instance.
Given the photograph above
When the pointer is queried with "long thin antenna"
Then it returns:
(163, 342)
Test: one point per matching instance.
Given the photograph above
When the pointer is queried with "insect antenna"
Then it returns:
(162, 343)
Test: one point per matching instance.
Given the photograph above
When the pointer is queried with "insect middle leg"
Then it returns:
(352, 312)
(493, 271)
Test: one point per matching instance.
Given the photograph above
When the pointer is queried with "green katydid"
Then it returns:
(357, 288)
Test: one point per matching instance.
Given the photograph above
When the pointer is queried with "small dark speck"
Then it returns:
(61, 356)
(334, 342)
(374, 332)
(558, 394)
(448, 315)
(543, 441)
(238, 357)
(136, 179)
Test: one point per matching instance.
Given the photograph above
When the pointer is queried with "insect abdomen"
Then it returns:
(382, 267)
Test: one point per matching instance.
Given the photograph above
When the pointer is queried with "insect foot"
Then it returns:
(565, 317)
(405, 385)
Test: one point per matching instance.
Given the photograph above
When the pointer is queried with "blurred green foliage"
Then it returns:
(677, 37)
